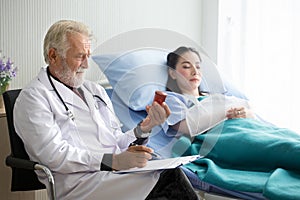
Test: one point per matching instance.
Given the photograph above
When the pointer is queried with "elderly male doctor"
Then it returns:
(68, 124)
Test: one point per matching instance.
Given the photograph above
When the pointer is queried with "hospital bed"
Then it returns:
(159, 141)
(135, 76)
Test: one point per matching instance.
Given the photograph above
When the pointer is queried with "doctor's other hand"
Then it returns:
(157, 114)
(134, 156)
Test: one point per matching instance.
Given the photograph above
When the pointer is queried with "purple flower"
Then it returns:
(8, 64)
(2, 65)
(7, 71)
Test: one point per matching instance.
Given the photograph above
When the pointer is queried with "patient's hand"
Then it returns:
(236, 113)
(239, 112)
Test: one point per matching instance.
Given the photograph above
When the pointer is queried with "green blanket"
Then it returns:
(247, 155)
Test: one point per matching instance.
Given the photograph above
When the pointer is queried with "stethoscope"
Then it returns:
(69, 112)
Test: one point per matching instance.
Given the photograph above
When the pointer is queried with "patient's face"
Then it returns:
(188, 75)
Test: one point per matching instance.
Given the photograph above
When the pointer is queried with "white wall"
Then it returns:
(210, 20)
(23, 24)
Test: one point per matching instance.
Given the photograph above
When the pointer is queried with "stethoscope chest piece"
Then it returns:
(70, 115)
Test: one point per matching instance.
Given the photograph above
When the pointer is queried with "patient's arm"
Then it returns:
(182, 127)
(211, 111)
(202, 124)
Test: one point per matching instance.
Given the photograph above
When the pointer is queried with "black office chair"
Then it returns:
(23, 176)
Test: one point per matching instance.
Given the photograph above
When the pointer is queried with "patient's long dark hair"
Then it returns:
(172, 60)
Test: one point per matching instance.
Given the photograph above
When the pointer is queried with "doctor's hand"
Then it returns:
(134, 156)
(157, 114)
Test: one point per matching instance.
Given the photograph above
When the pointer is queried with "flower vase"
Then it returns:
(3, 88)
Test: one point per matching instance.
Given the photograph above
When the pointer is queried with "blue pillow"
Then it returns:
(136, 75)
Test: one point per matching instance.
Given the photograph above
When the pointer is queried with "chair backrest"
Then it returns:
(22, 179)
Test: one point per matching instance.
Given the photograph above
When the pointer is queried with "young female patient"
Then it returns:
(234, 144)
(184, 78)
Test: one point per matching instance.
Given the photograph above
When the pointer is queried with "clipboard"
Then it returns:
(167, 163)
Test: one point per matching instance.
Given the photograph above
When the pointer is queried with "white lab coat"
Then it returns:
(73, 150)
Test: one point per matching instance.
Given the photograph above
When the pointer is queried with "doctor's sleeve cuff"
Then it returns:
(106, 163)
(139, 141)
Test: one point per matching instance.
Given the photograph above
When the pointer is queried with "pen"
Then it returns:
(154, 155)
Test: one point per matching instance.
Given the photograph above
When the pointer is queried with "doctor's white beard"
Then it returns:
(66, 75)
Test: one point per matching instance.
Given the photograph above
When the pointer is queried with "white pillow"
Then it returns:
(136, 75)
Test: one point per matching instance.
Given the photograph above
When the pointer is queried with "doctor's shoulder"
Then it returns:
(32, 97)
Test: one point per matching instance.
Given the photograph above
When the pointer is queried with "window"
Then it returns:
(259, 50)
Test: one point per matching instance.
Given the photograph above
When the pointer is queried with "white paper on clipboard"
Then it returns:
(167, 163)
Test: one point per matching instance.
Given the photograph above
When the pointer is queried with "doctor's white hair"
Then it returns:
(56, 36)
